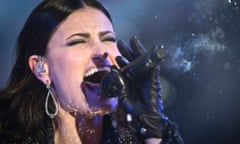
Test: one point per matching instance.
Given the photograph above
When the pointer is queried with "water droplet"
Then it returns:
(227, 66)
(129, 117)
(220, 91)
(208, 117)
(194, 74)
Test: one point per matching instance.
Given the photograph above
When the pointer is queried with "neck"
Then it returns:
(78, 130)
(91, 129)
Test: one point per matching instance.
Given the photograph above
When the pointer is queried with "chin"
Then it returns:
(102, 110)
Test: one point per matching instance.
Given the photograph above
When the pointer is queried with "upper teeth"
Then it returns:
(94, 70)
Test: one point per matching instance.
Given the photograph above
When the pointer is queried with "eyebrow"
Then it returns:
(105, 33)
(87, 35)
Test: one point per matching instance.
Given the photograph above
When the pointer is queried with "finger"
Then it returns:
(121, 61)
(161, 53)
(137, 47)
(125, 50)
(156, 54)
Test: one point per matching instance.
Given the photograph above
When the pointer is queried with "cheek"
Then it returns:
(66, 73)
(68, 67)
(68, 62)
(113, 53)
(116, 52)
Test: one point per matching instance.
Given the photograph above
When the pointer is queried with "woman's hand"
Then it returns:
(140, 95)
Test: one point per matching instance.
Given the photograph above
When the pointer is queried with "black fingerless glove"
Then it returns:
(140, 96)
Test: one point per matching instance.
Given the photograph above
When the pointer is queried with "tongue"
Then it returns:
(93, 87)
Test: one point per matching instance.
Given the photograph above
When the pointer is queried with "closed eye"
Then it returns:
(74, 42)
(109, 39)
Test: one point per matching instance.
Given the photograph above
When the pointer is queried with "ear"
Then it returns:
(39, 67)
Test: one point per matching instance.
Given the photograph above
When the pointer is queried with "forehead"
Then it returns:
(87, 19)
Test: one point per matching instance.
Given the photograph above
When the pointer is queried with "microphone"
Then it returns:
(132, 70)
(143, 63)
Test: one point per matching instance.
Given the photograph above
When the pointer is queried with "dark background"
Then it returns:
(200, 77)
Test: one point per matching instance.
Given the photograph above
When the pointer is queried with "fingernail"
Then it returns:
(134, 37)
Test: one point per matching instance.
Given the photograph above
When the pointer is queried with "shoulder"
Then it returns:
(12, 131)
(14, 136)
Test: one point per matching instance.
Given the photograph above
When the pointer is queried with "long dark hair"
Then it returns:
(22, 100)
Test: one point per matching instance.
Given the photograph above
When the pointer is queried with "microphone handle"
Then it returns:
(132, 70)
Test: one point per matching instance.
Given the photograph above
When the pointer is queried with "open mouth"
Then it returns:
(95, 75)
(91, 81)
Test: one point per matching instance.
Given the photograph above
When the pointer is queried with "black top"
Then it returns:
(110, 136)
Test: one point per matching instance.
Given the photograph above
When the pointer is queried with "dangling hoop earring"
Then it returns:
(51, 115)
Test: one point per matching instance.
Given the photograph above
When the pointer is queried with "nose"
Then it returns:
(101, 59)
(100, 55)
(98, 47)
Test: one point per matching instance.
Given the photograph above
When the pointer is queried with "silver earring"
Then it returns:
(50, 94)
